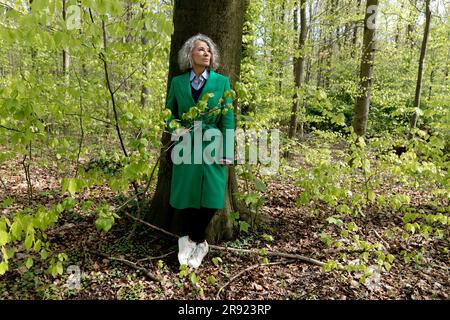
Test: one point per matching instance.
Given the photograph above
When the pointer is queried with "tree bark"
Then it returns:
(299, 63)
(144, 41)
(355, 27)
(410, 26)
(222, 21)
(361, 110)
(423, 51)
(66, 57)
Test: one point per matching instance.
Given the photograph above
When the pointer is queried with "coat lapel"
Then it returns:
(209, 86)
(187, 90)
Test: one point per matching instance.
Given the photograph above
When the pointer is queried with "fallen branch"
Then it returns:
(248, 269)
(386, 245)
(128, 263)
(269, 253)
(158, 257)
(152, 226)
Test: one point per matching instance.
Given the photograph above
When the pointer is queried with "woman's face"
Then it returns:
(201, 55)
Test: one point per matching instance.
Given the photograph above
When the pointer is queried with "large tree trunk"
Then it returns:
(222, 21)
(361, 111)
(299, 63)
(423, 51)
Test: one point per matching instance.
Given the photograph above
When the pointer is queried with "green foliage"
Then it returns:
(351, 180)
(26, 231)
(106, 217)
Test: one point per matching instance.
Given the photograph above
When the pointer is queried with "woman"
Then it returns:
(198, 187)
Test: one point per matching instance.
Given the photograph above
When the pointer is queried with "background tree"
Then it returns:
(423, 50)
(299, 68)
(366, 74)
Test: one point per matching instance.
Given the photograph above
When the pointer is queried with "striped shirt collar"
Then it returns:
(204, 75)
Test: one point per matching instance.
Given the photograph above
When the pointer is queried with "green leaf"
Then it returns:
(29, 262)
(3, 267)
(211, 280)
(267, 237)
(29, 241)
(52, 270)
(38, 5)
(326, 238)
(69, 203)
(59, 267)
(7, 202)
(217, 260)
(4, 237)
(233, 216)
(16, 228)
(304, 198)
(390, 258)
(86, 205)
(104, 223)
(129, 116)
(44, 254)
(37, 245)
(260, 185)
(62, 257)
(251, 198)
(72, 187)
(243, 226)
(339, 119)
(193, 278)
(333, 220)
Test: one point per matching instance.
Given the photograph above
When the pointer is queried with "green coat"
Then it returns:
(201, 185)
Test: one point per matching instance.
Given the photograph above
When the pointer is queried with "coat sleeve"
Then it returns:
(172, 105)
(227, 126)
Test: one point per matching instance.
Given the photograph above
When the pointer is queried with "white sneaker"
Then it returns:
(197, 256)
(185, 249)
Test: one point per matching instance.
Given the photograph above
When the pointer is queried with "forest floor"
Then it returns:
(294, 229)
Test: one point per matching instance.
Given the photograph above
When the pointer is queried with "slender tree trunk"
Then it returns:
(410, 26)
(361, 110)
(399, 21)
(222, 21)
(355, 28)
(423, 51)
(248, 51)
(144, 41)
(299, 63)
(430, 88)
(280, 62)
(330, 5)
(66, 57)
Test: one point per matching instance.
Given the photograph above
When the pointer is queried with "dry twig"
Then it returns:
(128, 263)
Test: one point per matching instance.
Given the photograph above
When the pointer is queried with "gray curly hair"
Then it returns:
(185, 54)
